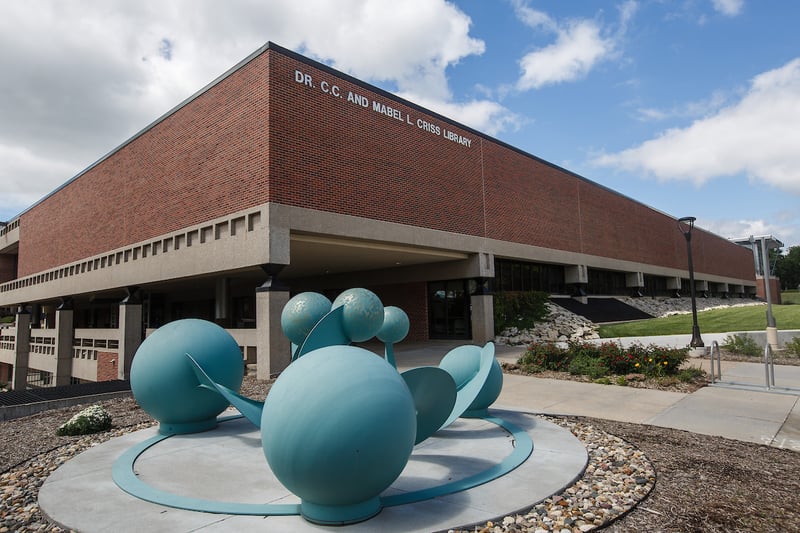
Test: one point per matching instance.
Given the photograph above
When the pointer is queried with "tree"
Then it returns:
(787, 268)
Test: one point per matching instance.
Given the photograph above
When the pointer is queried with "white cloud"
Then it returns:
(787, 231)
(533, 17)
(730, 8)
(84, 76)
(702, 108)
(577, 49)
(580, 45)
(483, 115)
(757, 136)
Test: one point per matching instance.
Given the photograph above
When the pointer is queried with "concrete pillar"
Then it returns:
(273, 349)
(22, 348)
(64, 338)
(222, 302)
(674, 285)
(635, 282)
(578, 277)
(36, 316)
(130, 336)
(482, 318)
(701, 286)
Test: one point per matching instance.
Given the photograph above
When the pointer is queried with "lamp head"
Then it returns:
(688, 222)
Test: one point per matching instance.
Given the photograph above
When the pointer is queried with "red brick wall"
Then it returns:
(411, 298)
(107, 366)
(8, 267)
(530, 202)
(334, 155)
(260, 135)
(204, 161)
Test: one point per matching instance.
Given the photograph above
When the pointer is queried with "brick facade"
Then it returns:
(283, 129)
(107, 369)
(205, 160)
(8, 267)
(6, 371)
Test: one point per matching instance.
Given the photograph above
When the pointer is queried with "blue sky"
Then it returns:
(691, 107)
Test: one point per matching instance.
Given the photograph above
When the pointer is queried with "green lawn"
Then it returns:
(751, 318)
(790, 297)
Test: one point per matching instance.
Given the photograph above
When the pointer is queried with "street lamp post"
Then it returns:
(685, 225)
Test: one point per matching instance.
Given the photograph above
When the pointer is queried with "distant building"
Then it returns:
(284, 175)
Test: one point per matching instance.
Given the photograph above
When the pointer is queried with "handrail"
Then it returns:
(715, 350)
(769, 366)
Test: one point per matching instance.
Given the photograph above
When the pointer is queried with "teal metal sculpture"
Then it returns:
(165, 384)
(338, 428)
(339, 424)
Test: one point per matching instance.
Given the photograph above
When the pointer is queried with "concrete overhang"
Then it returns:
(320, 255)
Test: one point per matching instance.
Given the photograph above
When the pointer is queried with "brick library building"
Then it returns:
(283, 176)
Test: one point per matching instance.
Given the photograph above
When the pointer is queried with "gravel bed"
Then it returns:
(617, 477)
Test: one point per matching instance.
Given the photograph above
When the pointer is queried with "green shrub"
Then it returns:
(519, 309)
(665, 361)
(545, 356)
(687, 375)
(7, 319)
(93, 419)
(588, 366)
(621, 381)
(603, 381)
(793, 346)
(741, 344)
(596, 360)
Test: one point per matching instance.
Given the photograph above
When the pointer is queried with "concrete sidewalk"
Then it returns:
(747, 413)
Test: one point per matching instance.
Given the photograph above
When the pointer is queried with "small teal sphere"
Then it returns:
(163, 380)
(301, 314)
(363, 313)
(338, 426)
(395, 325)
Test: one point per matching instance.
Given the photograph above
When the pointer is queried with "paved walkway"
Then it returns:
(748, 412)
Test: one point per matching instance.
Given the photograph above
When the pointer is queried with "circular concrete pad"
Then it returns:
(227, 464)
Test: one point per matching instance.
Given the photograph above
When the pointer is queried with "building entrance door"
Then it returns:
(448, 309)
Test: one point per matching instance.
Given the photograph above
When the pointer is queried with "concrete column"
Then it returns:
(222, 302)
(578, 277)
(701, 286)
(64, 339)
(674, 285)
(273, 349)
(635, 282)
(22, 348)
(130, 336)
(482, 318)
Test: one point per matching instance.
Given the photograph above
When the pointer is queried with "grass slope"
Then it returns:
(751, 318)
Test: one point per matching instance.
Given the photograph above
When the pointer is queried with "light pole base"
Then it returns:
(772, 338)
(699, 351)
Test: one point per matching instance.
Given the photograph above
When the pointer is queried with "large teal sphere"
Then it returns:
(338, 427)
(463, 364)
(164, 382)
(395, 325)
(363, 313)
(301, 314)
